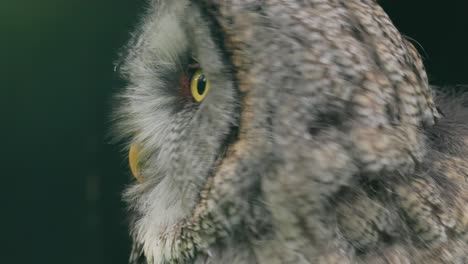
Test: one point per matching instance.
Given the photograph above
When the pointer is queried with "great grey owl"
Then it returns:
(287, 131)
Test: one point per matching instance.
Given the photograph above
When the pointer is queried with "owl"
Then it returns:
(287, 131)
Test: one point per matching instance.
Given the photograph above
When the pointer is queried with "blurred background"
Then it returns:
(61, 177)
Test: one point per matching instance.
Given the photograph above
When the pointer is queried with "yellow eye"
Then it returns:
(199, 86)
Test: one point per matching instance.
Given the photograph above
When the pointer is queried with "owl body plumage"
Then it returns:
(319, 140)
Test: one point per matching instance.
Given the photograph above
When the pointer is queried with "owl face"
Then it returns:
(179, 108)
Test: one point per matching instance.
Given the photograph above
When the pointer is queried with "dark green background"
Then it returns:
(61, 178)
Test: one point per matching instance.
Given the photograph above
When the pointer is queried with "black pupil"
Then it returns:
(201, 84)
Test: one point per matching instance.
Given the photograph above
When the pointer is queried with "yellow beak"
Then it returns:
(134, 160)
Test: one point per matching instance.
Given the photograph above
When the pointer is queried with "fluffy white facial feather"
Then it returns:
(180, 139)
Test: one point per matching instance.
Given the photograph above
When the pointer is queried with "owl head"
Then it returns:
(245, 119)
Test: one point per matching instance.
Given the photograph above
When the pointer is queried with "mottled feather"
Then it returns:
(321, 140)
